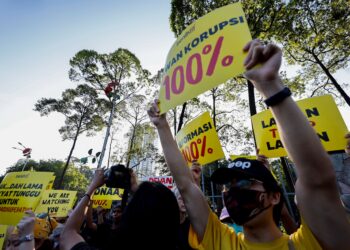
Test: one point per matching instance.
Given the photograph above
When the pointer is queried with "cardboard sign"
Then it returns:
(3, 229)
(105, 193)
(56, 202)
(324, 117)
(50, 185)
(167, 181)
(250, 157)
(199, 141)
(206, 54)
(106, 204)
(21, 191)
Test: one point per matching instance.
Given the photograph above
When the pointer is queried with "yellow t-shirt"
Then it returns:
(220, 236)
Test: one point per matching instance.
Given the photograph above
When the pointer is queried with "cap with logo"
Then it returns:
(243, 168)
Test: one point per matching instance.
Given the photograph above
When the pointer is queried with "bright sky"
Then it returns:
(39, 37)
(37, 40)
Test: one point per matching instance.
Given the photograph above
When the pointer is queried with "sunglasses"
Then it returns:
(243, 183)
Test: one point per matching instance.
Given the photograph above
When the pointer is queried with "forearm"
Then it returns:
(175, 161)
(300, 140)
(77, 217)
(89, 221)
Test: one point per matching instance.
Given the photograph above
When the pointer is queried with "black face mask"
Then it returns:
(243, 204)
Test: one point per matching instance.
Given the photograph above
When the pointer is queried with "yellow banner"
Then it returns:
(206, 54)
(324, 116)
(20, 191)
(250, 157)
(3, 229)
(199, 141)
(106, 204)
(56, 202)
(105, 193)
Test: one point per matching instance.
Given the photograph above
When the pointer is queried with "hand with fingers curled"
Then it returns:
(97, 181)
(262, 64)
(159, 120)
(26, 225)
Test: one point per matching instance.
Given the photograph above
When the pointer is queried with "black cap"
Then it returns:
(243, 168)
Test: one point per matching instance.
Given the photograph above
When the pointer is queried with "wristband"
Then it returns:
(278, 97)
(86, 194)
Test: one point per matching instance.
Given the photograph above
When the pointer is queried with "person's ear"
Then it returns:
(275, 198)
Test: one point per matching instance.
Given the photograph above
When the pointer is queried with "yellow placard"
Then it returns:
(20, 191)
(56, 202)
(198, 140)
(3, 229)
(324, 116)
(50, 185)
(106, 204)
(105, 193)
(206, 54)
(250, 157)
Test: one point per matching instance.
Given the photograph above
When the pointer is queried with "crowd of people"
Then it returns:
(254, 215)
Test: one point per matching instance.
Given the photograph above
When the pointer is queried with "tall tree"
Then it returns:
(110, 74)
(83, 111)
(135, 114)
(315, 34)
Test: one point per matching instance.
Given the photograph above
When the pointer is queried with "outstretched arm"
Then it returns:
(70, 235)
(316, 189)
(195, 202)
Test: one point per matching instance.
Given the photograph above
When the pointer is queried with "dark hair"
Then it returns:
(151, 219)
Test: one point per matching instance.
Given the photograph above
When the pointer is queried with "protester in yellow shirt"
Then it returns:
(325, 224)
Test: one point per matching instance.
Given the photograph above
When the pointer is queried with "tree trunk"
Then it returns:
(181, 119)
(110, 149)
(70, 154)
(334, 82)
(100, 160)
(131, 145)
(175, 121)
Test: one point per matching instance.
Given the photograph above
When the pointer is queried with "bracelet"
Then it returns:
(86, 194)
(278, 97)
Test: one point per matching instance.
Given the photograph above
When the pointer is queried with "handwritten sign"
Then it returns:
(206, 54)
(56, 202)
(199, 141)
(21, 191)
(324, 117)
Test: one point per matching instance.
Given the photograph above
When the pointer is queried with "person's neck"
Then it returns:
(263, 232)
(182, 217)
